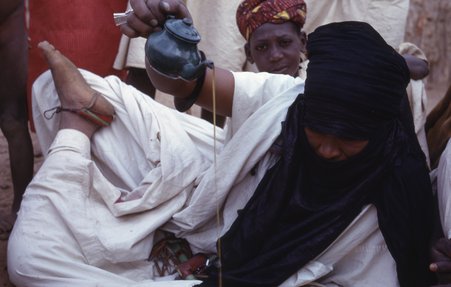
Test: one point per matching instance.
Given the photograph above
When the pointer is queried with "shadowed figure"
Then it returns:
(13, 103)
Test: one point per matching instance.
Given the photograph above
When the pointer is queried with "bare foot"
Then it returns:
(6, 225)
(73, 91)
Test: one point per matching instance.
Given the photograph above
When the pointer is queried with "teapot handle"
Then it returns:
(190, 72)
(184, 104)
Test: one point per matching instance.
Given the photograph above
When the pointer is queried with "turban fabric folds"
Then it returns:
(355, 82)
(251, 14)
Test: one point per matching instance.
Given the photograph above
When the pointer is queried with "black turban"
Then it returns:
(355, 80)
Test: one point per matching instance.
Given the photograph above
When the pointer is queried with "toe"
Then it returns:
(47, 48)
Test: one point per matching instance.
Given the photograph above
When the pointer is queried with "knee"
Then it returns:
(21, 260)
(33, 258)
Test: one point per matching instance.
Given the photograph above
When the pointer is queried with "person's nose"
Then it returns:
(275, 54)
(329, 150)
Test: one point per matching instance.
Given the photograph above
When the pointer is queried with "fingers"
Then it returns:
(149, 16)
(176, 8)
(441, 260)
(440, 266)
(136, 27)
(443, 245)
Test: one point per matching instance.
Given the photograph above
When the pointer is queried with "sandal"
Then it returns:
(85, 112)
(173, 255)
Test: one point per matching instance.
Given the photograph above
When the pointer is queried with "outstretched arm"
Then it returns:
(148, 17)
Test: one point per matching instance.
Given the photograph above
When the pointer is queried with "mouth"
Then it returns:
(279, 70)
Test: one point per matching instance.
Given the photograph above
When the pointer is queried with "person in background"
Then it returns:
(274, 44)
(13, 104)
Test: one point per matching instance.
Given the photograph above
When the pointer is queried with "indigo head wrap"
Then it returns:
(355, 80)
(251, 14)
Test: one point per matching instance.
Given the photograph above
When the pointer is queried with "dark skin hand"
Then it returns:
(418, 68)
(441, 261)
(149, 16)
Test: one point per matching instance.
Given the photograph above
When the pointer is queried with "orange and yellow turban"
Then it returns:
(251, 14)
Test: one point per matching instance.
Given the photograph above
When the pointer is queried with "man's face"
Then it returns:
(275, 48)
(333, 148)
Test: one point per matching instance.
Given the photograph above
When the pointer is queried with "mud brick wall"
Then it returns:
(429, 27)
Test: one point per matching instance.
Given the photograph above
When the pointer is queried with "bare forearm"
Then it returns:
(224, 86)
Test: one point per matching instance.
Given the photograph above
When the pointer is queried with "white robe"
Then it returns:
(441, 177)
(72, 230)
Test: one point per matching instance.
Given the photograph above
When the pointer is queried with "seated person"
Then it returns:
(324, 171)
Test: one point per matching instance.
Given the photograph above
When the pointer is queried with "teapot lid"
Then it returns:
(182, 29)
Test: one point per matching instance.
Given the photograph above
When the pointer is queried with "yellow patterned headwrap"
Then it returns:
(251, 14)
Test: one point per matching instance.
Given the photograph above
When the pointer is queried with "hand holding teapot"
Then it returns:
(149, 16)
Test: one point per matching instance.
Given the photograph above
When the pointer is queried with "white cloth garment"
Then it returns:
(416, 92)
(388, 17)
(222, 42)
(442, 178)
(93, 211)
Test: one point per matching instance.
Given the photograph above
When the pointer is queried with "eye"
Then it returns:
(261, 47)
(285, 42)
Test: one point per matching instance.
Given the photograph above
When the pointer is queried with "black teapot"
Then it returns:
(173, 50)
